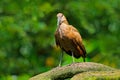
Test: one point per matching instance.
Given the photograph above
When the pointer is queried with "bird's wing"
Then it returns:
(76, 39)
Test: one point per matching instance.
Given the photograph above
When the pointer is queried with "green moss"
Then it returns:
(92, 70)
(98, 75)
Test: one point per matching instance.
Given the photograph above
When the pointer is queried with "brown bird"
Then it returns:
(69, 39)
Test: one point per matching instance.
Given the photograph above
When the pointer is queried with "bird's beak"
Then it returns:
(58, 21)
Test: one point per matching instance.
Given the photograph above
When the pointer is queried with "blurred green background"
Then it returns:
(27, 45)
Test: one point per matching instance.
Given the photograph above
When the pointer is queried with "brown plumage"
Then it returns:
(68, 38)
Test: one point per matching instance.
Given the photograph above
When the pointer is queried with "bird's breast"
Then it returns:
(61, 32)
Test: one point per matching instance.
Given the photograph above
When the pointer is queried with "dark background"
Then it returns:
(27, 45)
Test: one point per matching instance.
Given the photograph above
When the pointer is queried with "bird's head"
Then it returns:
(61, 18)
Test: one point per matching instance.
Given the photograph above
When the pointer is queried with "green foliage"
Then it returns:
(27, 29)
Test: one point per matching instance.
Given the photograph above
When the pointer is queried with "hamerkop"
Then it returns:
(69, 39)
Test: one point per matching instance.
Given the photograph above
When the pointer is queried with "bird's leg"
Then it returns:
(73, 57)
(84, 59)
(61, 57)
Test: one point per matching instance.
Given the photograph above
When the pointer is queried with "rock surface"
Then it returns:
(76, 70)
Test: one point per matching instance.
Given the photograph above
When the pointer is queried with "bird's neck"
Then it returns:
(65, 21)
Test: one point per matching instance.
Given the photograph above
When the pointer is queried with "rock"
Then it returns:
(98, 75)
(68, 71)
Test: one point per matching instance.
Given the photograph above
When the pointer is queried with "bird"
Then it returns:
(68, 39)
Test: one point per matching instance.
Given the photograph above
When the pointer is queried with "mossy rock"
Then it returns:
(68, 71)
(98, 75)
